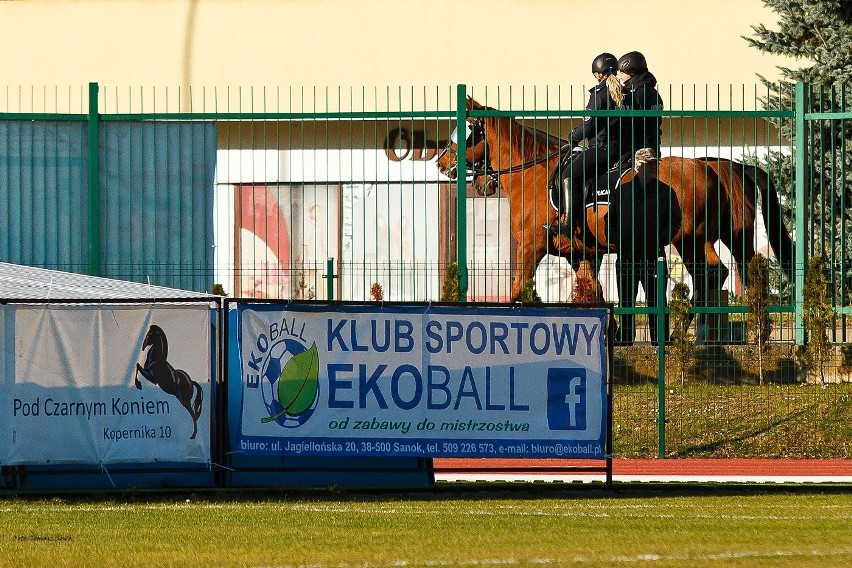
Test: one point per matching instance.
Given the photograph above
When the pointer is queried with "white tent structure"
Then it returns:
(19, 282)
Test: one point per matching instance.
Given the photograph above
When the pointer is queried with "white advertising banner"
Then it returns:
(422, 381)
(105, 384)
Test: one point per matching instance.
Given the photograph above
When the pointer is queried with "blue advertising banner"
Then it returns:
(426, 381)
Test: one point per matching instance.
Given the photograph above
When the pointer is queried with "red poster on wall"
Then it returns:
(262, 243)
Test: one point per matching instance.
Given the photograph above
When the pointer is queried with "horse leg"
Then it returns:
(195, 407)
(521, 276)
(742, 248)
(692, 258)
(145, 373)
(626, 284)
(708, 290)
(529, 254)
(188, 388)
(194, 421)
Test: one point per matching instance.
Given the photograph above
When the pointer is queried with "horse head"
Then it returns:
(486, 181)
(156, 337)
(474, 136)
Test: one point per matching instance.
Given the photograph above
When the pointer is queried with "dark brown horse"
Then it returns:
(175, 382)
(717, 199)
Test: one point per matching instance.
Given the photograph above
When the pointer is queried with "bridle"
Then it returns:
(474, 129)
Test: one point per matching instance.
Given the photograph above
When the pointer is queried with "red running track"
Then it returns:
(675, 468)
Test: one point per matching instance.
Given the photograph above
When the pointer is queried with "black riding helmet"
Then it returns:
(604, 63)
(632, 63)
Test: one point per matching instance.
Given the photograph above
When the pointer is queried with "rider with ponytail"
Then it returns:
(608, 94)
(604, 136)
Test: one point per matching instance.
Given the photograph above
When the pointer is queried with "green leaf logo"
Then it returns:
(297, 384)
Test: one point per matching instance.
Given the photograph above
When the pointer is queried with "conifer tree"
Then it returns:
(815, 34)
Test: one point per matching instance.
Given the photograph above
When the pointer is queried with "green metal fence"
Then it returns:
(335, 194)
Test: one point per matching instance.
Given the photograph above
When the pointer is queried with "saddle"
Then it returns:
(602, 190)
(595, 191)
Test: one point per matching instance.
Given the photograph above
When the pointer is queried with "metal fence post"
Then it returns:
(461, 191)
(329, 279)
(94, 187)
(799, 204)
(661, 357)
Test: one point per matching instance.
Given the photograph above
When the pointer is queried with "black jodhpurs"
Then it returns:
(629, 274)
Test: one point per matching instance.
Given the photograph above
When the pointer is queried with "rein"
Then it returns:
(521, 167)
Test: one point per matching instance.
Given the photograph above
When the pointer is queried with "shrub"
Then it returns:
(451, 290)
(586, 287)
(817, 315)
(757, 299)
(376, 292)
(682, 350)
(528, 293)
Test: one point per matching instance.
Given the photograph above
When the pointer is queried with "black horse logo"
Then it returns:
(175, 382)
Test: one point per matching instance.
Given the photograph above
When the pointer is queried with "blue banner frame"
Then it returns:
(418, 380)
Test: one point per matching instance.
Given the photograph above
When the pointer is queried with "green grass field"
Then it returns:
(735, 421)
(468, 525)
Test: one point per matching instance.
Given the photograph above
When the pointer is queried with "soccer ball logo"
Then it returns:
(290, 383)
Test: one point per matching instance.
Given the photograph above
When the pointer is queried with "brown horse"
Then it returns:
(717, 199)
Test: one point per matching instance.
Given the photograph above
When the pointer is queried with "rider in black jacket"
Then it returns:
(640, 89)
(605, 140)
(643, 217)
(601, 131)
(636, 260)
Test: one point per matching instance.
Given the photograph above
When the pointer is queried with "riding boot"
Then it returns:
(578, 209)
(565, 223)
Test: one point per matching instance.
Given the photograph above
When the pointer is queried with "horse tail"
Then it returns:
(741, 199)
(736, 198)
(779, 237)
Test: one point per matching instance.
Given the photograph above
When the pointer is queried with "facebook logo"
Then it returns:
(566, 399)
